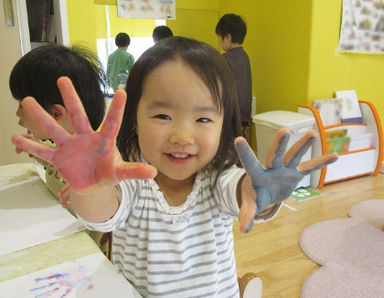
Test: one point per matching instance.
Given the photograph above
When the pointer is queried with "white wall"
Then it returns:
(10, 52)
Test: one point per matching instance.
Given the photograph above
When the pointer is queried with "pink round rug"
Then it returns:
(350, 252)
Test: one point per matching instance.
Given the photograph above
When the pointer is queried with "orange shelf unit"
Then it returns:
(351, 164)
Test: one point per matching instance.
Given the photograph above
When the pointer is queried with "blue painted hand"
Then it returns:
(282, 172)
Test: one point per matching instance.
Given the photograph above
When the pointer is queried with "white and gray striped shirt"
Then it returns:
(183, 251)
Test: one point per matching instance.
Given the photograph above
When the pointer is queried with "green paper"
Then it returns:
(304, 194)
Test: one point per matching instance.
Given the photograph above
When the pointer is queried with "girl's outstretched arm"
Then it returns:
(89, 161)
(263, 186)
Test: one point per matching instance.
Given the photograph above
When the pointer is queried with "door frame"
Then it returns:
(60, 21)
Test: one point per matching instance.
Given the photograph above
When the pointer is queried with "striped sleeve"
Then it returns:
(268, 214)
(225, 191)
(125, 205)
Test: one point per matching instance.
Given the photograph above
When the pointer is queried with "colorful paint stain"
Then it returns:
(61, 284)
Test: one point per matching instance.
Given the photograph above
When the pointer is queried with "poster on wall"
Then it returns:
(362, 26)
(147, 9)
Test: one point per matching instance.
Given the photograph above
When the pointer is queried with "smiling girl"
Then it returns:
(172, 232)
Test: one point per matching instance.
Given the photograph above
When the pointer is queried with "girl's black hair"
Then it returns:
(211, 67)
(36, 74)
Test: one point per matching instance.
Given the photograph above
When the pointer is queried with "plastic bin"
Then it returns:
(267, 124)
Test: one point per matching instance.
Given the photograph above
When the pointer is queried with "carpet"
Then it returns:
(350, 252)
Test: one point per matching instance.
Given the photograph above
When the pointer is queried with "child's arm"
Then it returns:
(89, 161)
(263, 187)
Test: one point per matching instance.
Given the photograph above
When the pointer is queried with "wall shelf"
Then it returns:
(354, 163)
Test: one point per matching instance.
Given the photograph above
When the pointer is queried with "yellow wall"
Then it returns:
(198, 4)
(277, 43)
(101, 24)
(293, 50)
(292, 45)
(331, 70)
(196, 19)
(107, 2)
(134, 27)
(82, 23)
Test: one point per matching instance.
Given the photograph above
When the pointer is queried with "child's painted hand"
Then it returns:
(64, 194)
(86, 159)
(28, 136)
(282, 172)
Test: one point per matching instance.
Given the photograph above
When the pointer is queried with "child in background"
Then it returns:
(231, 31)
(161, 32)
(172, 233)
(36, 73)
(120, 62)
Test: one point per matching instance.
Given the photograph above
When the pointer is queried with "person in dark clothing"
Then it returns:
(231, 30)
(161, 32)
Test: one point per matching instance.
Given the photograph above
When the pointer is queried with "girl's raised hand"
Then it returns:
(282, 172)
(28, 136)
(87, 160)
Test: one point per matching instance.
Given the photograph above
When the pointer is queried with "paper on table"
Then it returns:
(30, 215)
(18, 173)
(90, 276)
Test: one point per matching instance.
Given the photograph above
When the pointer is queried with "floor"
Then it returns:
(272, 251)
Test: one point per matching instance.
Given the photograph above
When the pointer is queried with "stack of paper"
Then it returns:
(350, 112)
(30, 215)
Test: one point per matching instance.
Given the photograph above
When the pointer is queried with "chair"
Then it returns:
(250, 286)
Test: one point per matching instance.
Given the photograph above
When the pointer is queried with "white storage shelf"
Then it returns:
(354, 163)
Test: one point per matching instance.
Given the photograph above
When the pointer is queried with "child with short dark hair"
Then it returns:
(231, 30)
(36, 74)
(161, 32)
(173, 232)
(119, 62)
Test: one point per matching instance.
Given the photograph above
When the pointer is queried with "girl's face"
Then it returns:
(178, 124)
